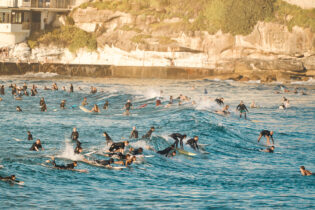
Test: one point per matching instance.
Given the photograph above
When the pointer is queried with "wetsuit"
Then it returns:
(103, 162)
(33, 92)
(148, 135)
(8, 179)
(34, 146)
(193, 144)
(42, 102)
(106, 105)
(43, 108)
(62, 105)
(29, 137)
(68, 166)
(77, 150)
(219, 101)
(137, 152)
(2, 90)
(24, 87)
(134, 134)
(71, 88)
(269, 150)
(116, 146)
(266, 133)
(108, 140)
(13, 90)
(166, 151)
(75, 135)
(178, 138)
(242, 108)
(128, 106)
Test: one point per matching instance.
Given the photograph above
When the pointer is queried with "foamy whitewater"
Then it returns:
(234, 173)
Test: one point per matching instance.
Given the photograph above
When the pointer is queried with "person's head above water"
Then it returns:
(134, 128)
(152, 128)
(271, 132)
(38, 141)
(126, 143)
(12, 177)
(75, 163)
(74, 129)
(196, 138)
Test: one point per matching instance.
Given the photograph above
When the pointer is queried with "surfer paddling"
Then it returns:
(11, 179)
(305, 172)
(268, 135)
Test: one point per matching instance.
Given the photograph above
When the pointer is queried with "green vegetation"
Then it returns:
(233, 16)
(140, 39)
(66, 36)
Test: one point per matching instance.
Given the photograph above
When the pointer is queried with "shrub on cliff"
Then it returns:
(66, 36)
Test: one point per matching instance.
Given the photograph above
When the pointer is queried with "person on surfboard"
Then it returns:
(242, 109)
(305, 172)
(269, 149)
(167, 150)
(11, 179)
(149, 133)
(178, 139)
(118, 147)
(36, 146)
(193, 143)
(109, 140)
(127, 107)
(268, 135)
(66, 167)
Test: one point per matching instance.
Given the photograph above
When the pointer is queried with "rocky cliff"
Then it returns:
(271, 52)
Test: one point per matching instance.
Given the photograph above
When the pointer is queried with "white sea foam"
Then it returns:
(68, 152)
(41, 74)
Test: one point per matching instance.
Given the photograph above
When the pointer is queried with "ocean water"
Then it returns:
(235, 174)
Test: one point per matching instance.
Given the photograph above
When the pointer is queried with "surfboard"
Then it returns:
(84, 109)
(102, 166)
(184, 152)
(16, 139)
(77, 170)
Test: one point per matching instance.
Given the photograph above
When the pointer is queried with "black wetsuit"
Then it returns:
(116, 146)
(108, 140)
(62, 105)
(103, 162)
(8, 179)
(178, 138)
(134, 134)
(42, 102)
(71, 88)
(219, 101)
(148, 134)
(33, 93)
(34, 146)
(75, 135)
(166, 151)
(266, 133)
(137, 152)
(269, 150)
(242, 108)
(128, 106)
(2, 90)
(68, 166)
(43, 108)
(193, 144)
(77, 149)
(29, 137)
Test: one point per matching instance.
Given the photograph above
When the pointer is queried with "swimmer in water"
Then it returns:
(305, 172)
(178, 139)
(78, 149)
(95, 109)
(269, 150)
(224, 111)
(43, 108)
(129, 160)
(42, 101)
(118, 147)
(167, 150)
(84, 102)
(65, 167)
(127, 107)
(106, 105)
(149, 133)
(134, 133)
(193, 143)
(109, 140)
(268, 135)
(242, 109)
(11, 179)
(2, 92)
(105, 162)
(36, 146)
(253, 105)
(18, 108)
(75, 134)
(29, 136)
(71, 88)
(54, 87)
(63, 104)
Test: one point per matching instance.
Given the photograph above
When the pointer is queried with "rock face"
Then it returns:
(270, 53)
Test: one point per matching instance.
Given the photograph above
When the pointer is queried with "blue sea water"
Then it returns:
(235, 174)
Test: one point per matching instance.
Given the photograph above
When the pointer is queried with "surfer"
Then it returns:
(134, 133)
(84, 102)
(43, 108)
(109, 140)
(54, 87)
(26, 93)
(138, 151)
(75, 134)
(253, 105)
(29, 136)
(18, 108)
(66, 167)
(178, 138)
(158, 101)
(63, 104)
(129, 160)
(2, 92)
(118, 147)
(269, 149)
(305, 172)
(224, 111)
(220, 101)
(36, 146)
(242, 109)
(71, 88)
(106, 105)
(78, 149)
(167, 150)
(105, 162)
(149, 133)
(42, 101)
(193, 143)
(11, 179)
(95, 109)
(127, 107)
(93, 90)
(268, 135)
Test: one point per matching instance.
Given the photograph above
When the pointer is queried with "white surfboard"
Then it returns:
(84, 109)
